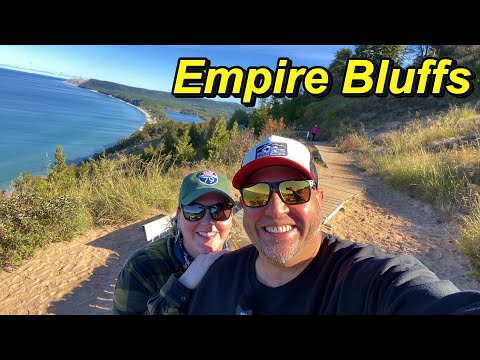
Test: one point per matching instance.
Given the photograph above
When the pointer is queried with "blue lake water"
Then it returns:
(39, 112)
(177, 116)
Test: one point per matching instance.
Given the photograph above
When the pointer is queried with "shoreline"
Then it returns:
(148, 117)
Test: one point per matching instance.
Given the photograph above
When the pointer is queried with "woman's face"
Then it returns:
(205, 235)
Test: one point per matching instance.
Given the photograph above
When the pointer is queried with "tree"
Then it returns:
(234, 131)
(240, 116)
(218, 139)
(171, 135)
(273, 127)
(183, 149)
(198, 134)
(376, 52)
(257, 119)
(339, 62)
(147, 153)
(59, 165)
(419, 52)
(61, 178)
(274, 106)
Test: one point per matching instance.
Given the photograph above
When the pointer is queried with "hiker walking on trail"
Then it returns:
(314, 132)
(293, 268)
(159, 278)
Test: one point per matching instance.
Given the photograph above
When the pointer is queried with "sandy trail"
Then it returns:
(396, 222)
(78, 277)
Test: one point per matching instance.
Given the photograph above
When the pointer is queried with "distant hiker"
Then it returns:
(314, 132)
(160, 277)
(293, 268)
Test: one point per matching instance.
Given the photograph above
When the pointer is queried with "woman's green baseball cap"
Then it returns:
(203, 182)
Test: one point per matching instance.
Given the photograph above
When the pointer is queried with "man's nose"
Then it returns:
(276, 207)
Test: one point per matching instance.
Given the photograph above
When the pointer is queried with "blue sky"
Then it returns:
(153, 66)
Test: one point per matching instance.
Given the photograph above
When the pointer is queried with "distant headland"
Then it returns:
(76, 81)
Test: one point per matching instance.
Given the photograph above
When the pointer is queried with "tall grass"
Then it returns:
(419, 134)
(354, 141)
(116, 191)
(446, 179)
(123, 190)
(413, 159)
(469, 244)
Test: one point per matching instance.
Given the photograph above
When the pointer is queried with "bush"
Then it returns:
(29, 221)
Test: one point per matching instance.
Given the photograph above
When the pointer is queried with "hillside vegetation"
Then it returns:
(156, 101)
(426, 146)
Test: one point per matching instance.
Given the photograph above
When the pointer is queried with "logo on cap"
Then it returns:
(272, 149)
(208, 177)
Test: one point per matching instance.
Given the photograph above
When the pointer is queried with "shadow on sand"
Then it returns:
(94, 295)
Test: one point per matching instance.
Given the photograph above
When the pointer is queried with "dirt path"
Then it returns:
(396, 222)
(78, 277)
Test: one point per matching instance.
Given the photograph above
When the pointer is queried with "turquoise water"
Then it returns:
(38, 112)
(177, 116)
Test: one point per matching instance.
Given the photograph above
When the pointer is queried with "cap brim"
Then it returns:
(252, 166)
(194, 195)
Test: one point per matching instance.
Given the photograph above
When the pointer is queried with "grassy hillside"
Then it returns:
(336, 114)
(157, 101)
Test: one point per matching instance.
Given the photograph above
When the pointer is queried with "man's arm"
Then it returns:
(403, 285)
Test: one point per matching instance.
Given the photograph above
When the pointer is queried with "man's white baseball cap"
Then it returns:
(276, 150)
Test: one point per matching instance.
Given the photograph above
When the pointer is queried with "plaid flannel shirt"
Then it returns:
(148, 282)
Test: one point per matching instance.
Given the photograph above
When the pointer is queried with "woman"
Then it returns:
(160, 277)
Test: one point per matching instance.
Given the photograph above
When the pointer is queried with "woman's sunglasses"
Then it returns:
(195, 212)
(292, 192)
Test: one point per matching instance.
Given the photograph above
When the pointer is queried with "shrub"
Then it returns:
(29, 221)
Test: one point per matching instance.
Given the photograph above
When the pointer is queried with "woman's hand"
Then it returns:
(198, 268)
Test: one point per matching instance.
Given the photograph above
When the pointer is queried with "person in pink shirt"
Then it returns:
(314, 132)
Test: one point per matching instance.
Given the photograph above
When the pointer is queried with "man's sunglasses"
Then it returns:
(219, 212)
(292, 192)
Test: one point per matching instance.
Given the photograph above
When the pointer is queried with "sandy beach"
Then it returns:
(148, 117)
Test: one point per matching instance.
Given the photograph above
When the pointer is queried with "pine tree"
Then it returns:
(59, 165)
(218, 139)
(234, 132)
(184, 149)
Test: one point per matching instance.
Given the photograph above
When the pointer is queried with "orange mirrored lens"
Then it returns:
(295, 191)
(292, 192)
(256, 195)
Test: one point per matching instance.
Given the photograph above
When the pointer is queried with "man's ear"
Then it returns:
(319, 196)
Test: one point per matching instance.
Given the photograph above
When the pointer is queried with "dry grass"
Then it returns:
(447, 178)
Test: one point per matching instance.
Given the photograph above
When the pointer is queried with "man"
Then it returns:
(293, 268)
